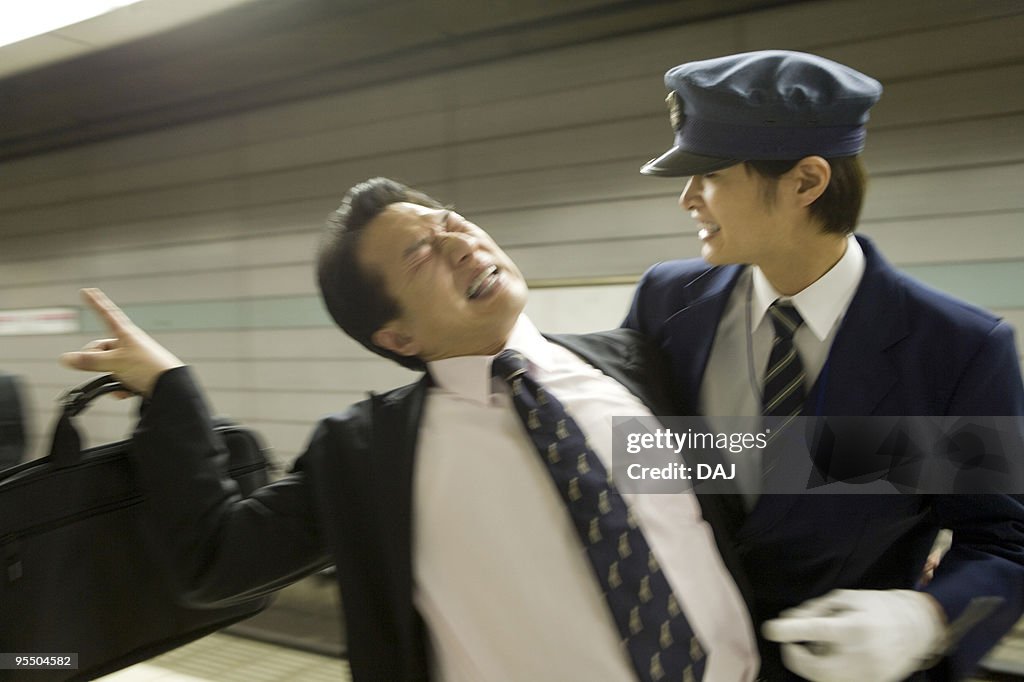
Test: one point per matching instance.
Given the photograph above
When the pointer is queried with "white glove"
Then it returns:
(856, 635)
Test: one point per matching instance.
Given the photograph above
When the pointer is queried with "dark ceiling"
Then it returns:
(272, 51)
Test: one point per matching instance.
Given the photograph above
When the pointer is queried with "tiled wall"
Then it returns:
(206, 232)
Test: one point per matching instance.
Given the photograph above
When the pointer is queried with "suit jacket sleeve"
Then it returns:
(987, 554)
(218, 547)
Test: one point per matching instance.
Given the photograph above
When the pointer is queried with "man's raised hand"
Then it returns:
(130, 354)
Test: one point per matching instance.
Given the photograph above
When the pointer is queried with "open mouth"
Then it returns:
(483, 283)
(707, 230)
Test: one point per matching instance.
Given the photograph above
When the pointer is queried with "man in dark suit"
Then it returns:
(788, 314)
(476, 531)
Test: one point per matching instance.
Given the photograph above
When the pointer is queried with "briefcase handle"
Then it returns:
(78, 398)
(66, 447)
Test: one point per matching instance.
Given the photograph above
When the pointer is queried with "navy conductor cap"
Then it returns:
(772, 104)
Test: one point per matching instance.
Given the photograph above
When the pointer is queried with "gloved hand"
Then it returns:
(856, 635)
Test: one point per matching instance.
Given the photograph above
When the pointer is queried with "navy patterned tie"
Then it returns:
(651, 624)
(783, 394)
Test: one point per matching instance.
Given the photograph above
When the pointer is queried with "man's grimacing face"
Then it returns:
(458, 293)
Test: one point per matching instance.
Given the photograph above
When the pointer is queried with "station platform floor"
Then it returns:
(223, 657)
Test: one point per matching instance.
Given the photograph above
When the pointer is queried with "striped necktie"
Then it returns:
(784, 393)
(652, 627)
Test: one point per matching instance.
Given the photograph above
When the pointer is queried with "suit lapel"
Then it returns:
(689, 332)
(689, 335)
(396, 422)
(862, 369)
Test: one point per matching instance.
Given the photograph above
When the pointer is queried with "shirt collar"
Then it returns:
(821, 304)
(469, 376)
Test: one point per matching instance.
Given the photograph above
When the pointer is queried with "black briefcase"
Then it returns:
(75, 573)
(12, 422)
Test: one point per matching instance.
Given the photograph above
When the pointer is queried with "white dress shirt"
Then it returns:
(501, 577)
(732, 383)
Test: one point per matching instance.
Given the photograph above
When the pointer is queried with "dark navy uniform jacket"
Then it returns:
(902, 349)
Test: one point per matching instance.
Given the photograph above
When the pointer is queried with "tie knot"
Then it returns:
(508, 364)
(785, 318)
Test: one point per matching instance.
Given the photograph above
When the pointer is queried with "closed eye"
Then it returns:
(416, 246)
(419, 251)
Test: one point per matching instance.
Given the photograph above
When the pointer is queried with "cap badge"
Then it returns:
(675, 110)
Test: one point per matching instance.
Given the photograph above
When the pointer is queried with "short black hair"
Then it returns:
(838, 208)
(356, 296)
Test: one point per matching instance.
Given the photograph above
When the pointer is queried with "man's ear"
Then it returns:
(392, 338)
(812, 174)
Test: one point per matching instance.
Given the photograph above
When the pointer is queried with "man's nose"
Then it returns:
(456, 246)
(688, 199)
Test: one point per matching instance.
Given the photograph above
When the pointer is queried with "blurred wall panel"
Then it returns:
(206, 232)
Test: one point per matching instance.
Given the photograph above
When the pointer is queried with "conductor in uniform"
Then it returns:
(789, 313)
